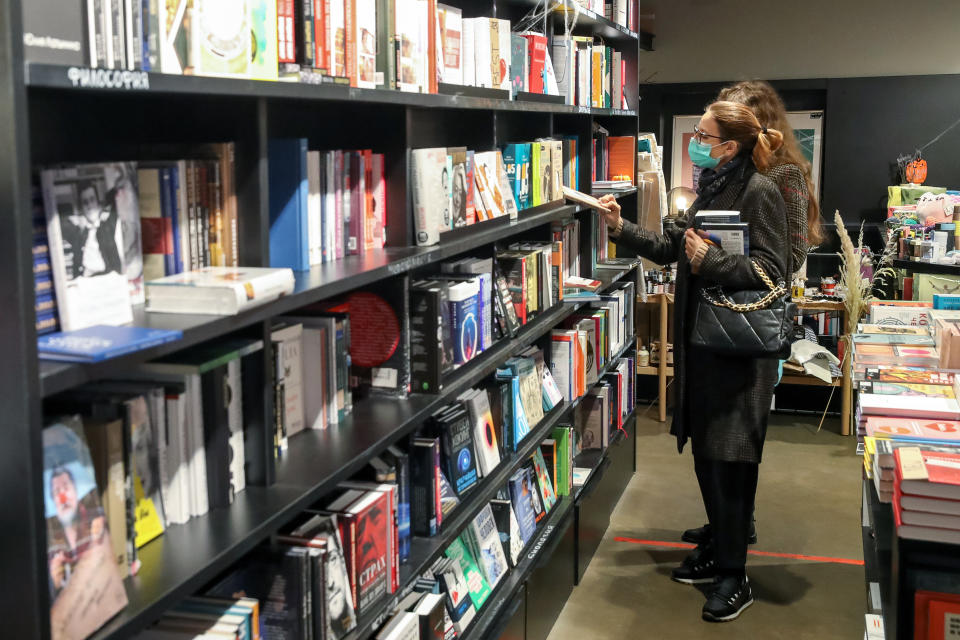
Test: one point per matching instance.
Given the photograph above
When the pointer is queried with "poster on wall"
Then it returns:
(807, 129)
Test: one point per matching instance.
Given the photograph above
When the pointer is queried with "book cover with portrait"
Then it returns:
(84, 582)
(93, 227)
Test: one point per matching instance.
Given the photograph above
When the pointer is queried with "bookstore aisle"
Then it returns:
(806, 569)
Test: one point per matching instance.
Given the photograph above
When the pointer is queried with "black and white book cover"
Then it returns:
(93, 226)
(54, 32)
(340, 612)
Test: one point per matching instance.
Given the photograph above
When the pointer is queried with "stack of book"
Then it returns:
(45, 305)
(909, 419)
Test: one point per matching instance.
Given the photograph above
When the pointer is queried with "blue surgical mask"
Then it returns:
(700, 154)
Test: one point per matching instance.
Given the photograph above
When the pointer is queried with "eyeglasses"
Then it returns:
(699, 134)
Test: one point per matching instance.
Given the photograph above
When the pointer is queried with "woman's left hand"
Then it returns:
(692, 242)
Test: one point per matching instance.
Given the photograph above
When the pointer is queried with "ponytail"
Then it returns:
(768, 141)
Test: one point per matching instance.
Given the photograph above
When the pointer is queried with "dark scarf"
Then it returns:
(713, 181)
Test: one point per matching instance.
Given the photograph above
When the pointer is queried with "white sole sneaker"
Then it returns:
(733, 616)
(694, 580)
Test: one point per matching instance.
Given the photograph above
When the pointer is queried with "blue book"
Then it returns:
(516, 161)
(169, 259)
(101, 342)
(946, 301)
(519, 426)
(220, 607)
(521, 495)
(289, 237)
(464, 304)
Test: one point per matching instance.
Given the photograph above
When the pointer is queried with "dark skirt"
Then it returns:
(727, 405)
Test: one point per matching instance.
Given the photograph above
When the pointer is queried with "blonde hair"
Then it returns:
(766, 104)
(738, 123)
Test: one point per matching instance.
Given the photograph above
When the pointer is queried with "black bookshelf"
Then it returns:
(59, 114)
(927, 267)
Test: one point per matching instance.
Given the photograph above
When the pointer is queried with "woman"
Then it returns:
(789, 168)
(791, 171)
(723, 402)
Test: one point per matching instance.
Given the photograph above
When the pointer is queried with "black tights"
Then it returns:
(728, 490)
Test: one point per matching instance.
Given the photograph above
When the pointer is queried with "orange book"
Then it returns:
(596, 96)
(901, 303)
(622, 152)
(350, 42)
(580, 363)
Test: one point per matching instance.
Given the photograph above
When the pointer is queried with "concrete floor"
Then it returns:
(808, 503)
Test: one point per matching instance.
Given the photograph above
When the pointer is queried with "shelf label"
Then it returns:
(108, 79)
(410, 263)
(583, 109)
(542, 540)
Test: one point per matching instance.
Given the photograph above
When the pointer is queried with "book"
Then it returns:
(101, 342)
(931, 474)
(425, 513)
(910, 429)
(402, 626)
(432, 613)
(916, 375)
(340, 616)
(451, 43)
(521, 496)
(908, 405)
(477, 584)
(893, 339)
(218, 290)
(508, 529)
(464, 320)
(484, 432)
(85, 586)
(456, 435)
(453, 583)
(734, 238)
(88, 207)
(430, 201)
(484, 540)
(544, 482)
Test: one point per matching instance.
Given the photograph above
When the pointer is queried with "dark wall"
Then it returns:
(868, 122)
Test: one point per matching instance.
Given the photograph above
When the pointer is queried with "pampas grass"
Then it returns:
(857, 290)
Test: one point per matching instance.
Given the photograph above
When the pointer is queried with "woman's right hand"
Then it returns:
(610, 215)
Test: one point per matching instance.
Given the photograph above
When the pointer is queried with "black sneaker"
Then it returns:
(702, 534)
(697, 568)
(728, 600)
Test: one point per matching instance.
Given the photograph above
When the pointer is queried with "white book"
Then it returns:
(85, 222)
(337, 41)
(505, 55)
(330, 207)
(484, 433)
(314, 369)
(561, 366)
(314, 209)
(451, 42)
(365, 40)
(288, 346)
(509, 201)
(197, 454)
(403, 626)
(488, 182)
(483, 49)
(238, 480)
(218, 290)
(550, 77)
(429, 193)
(875, 404)
(564, 50)
(488, 548)
(469, 53)
(179, 510)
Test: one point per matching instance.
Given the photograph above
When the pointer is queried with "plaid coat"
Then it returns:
(722, 403)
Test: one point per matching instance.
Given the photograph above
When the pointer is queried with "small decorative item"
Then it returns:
(643, 357)
(916, 171)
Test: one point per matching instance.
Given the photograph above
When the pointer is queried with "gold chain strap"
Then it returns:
(721, 299)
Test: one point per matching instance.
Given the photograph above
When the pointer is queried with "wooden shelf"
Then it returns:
(819, 305)
(804, 379)
(652, 371)
(654, 298)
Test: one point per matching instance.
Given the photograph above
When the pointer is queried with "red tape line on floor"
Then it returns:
(767, 554)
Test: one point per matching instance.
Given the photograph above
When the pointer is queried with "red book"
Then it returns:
(943, 475)
(322, 55)
(287, 49)
(389, 490)
(537, 48)
(369, 217)
(623, 82)
(921, 610)
(364, 523)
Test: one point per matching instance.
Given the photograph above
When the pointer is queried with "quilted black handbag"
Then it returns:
(748, 323)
